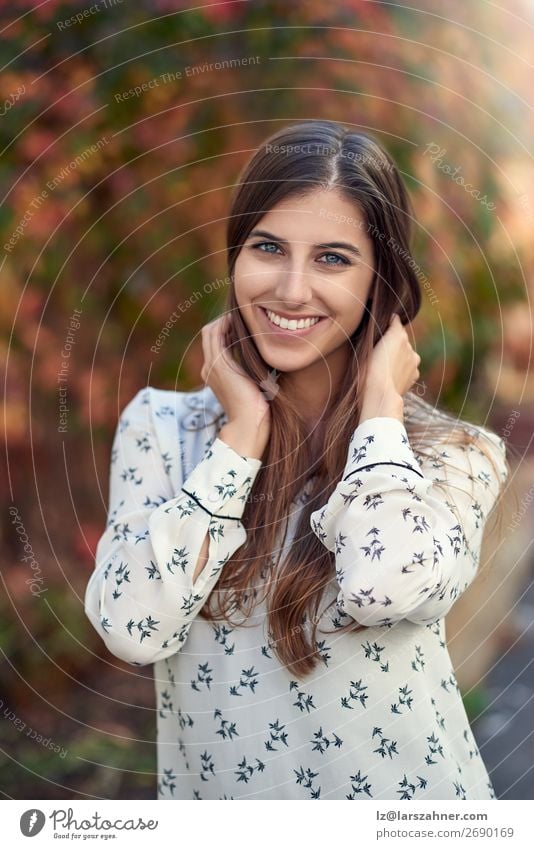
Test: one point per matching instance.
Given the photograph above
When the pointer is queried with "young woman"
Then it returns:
(285, 542)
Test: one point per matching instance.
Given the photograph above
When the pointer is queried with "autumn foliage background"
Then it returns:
(135, 227)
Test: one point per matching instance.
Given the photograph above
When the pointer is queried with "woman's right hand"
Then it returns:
(247, 408)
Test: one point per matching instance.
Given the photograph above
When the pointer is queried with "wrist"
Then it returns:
(241, 437)
(386, 403)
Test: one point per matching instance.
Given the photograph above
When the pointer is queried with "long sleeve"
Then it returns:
(141, 597)
(406, 538)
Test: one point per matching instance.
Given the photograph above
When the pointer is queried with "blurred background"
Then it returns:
(123, 127)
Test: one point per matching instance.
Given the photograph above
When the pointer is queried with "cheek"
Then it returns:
(247, 281)
(353, 300)
(347, 318)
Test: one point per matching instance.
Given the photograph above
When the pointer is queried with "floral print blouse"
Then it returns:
(381, 716)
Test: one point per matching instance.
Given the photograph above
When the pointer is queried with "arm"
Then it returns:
(234, 436)
(406, 540)
(146, 589)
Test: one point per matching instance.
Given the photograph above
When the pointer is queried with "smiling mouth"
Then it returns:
(290, 327)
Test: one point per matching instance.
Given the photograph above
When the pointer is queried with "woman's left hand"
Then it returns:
(393, 370)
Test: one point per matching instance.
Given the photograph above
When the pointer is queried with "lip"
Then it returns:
(280, 331)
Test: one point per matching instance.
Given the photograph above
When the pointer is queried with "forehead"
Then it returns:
(319, 216)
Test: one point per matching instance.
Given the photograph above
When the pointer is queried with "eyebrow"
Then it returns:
(344, 245)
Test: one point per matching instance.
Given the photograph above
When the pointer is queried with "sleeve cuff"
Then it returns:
(377, 441)
(222, 481)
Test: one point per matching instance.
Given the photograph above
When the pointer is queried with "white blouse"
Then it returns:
(381, 717)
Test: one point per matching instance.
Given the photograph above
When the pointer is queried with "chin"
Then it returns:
(287, 363)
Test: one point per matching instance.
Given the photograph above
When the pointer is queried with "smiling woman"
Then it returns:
(316, 271)
(291, 589)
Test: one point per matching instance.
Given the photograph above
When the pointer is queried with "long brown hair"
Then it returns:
(298, 159)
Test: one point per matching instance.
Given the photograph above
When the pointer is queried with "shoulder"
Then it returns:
(481, 444)
(154, 407)
(490, 456)
(468, 453)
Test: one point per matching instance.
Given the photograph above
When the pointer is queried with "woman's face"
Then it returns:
(293, 264)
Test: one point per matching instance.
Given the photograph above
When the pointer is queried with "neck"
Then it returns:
(314, 387)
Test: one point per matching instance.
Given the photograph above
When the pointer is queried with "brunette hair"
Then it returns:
(298, 159)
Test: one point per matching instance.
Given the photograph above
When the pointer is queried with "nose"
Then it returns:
(294, 287)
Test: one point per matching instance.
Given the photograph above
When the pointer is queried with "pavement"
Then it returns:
(505, 730)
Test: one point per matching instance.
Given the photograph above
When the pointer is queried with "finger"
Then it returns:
(225, 328)
(215, 342)
(220, 331)
(222, 341)
(207, 347)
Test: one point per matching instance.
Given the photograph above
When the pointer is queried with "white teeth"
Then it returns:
(291, 324)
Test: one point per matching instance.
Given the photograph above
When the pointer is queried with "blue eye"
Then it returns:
(337, 256)
(262, 245)
(342, 259)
